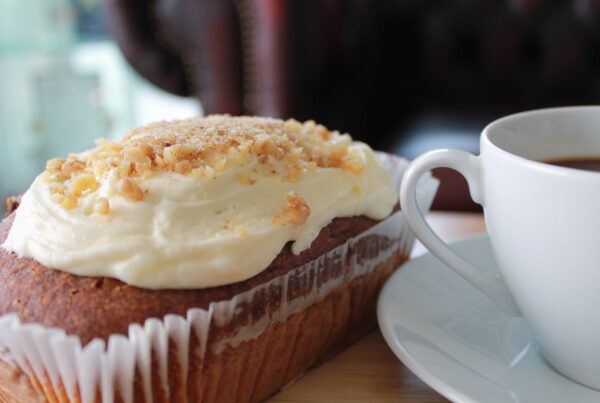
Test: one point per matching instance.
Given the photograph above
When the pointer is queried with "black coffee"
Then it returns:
(585, 163)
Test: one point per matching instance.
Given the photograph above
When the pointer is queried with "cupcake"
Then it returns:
(205, 260)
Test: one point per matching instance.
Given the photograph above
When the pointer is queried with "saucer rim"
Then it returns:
(443, 388)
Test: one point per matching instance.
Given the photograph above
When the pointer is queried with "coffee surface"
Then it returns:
(585, 163)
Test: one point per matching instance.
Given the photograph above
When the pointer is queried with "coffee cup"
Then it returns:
(543, 222)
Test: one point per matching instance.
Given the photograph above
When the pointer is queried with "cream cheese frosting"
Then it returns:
(196, 203)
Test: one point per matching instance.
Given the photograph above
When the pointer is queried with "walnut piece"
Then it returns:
(68, 203)
(130, 190)
(295, 211)
(54, 165)
(102, 206)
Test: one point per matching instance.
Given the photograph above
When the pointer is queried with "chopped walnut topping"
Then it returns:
(130, 190)
(183, 167)
(83, 183)
(56, 178)
(69, 203)
(102, 206)
(136, 154)
(295, 211)
(354, 164)
(54, 165)
(72, 167)
(202, 148)
(293, 173)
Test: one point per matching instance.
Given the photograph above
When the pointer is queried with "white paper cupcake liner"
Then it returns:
(62, 369)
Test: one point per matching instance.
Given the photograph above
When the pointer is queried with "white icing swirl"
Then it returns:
(188, 232)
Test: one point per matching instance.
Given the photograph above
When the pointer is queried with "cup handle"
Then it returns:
(467, 165)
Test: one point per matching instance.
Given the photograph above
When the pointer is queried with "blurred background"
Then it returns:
(63, 84)
(406, 76)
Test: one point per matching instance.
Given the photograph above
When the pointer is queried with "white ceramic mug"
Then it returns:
(544, 226)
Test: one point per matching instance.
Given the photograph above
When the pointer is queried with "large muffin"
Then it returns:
(233, 341)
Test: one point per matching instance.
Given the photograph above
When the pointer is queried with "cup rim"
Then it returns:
(485, 137)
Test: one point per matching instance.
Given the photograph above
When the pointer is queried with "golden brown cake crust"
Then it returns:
(92, 307)
(256, 368)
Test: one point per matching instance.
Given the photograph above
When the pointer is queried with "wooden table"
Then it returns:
(369, 371)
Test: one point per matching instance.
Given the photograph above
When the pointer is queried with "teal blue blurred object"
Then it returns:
(59, 89)
(36, 25)
(89, 15)
(69, 111)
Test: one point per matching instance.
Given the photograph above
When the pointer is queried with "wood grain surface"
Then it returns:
(369, 371)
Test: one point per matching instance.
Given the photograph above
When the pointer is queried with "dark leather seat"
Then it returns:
(394, 73)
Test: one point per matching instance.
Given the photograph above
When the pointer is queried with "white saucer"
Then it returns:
(462, 345)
